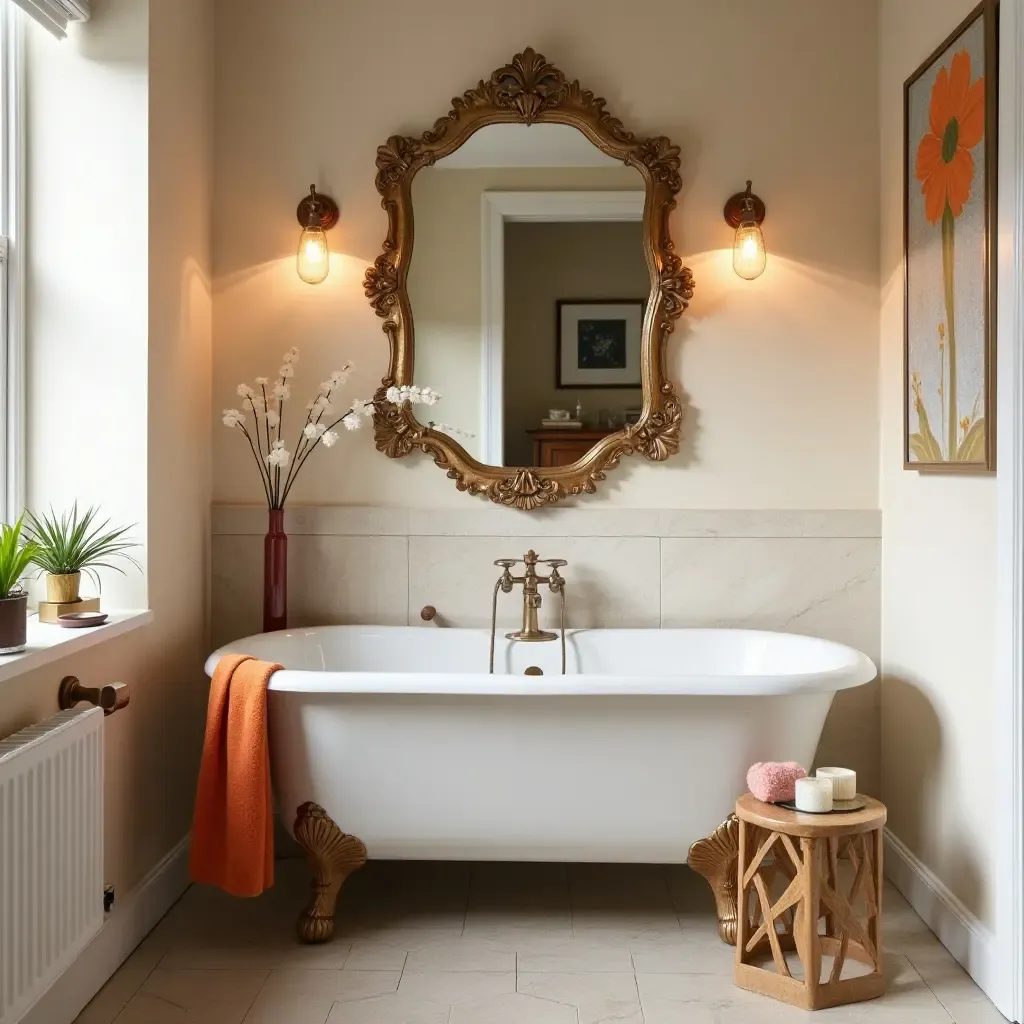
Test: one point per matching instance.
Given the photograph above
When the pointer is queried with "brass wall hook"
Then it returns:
(112, 697)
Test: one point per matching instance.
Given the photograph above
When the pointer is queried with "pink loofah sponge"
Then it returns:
(772, 781)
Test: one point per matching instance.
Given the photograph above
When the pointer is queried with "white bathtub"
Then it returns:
(639, 750)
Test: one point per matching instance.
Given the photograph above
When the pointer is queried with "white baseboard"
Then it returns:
(970, 942)
(134, 915)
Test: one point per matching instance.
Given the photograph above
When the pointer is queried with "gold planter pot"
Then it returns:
(63, 589)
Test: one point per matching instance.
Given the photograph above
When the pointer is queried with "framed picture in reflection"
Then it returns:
(598, 343)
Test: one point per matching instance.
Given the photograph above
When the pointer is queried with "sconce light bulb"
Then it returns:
(314, 259)
(748, 252)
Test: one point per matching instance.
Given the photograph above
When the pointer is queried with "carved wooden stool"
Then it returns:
(791, 897)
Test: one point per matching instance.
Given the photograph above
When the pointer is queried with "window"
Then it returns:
(12, 374)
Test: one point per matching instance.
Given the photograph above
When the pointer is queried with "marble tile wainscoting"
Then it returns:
(813, 572)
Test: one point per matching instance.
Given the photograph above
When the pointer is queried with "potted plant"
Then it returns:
(15, 557)
(73, 543)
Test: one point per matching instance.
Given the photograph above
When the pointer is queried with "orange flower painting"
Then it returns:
(948, 203)
(956, 122)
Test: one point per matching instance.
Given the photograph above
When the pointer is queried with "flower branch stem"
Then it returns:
(256, 431)
(303, 448)
(299, 450)
(259, 462)
(948, 238)
(266, 422)
(307, 454)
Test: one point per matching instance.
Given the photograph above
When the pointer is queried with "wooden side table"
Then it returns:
(553, 447)
(791, 897)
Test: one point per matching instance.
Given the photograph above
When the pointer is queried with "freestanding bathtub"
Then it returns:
(404, 739)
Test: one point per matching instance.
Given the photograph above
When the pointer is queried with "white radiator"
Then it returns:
(51, 852)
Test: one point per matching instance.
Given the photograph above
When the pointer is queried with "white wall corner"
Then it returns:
(134, 915)
(1008, 834)
(967, 939)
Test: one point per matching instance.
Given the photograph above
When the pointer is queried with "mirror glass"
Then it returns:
(528, 284)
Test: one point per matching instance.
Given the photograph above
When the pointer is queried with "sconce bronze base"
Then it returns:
(329, 212)
(734, 209)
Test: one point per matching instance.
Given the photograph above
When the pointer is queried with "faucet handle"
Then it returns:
(555, 563)
(506, 563)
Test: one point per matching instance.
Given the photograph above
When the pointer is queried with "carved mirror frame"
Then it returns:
(529, 90)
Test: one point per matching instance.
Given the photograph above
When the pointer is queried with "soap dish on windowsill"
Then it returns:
(858, 803)
(81, 620)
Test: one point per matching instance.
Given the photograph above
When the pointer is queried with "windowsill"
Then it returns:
(49, 643)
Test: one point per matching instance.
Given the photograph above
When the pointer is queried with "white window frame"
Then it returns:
(12, 263)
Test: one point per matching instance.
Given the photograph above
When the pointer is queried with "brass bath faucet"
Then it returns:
(531, 583)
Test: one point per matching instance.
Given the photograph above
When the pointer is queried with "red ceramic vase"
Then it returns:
(275, 574)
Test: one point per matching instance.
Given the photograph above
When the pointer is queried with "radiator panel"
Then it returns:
(51, 853)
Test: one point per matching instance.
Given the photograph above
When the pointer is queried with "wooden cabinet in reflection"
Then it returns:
(563, 447)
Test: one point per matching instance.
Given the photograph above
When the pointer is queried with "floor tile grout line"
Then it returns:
(152, 995)
(924, 981)
(135, 992)
(263, 985)
(636, 984)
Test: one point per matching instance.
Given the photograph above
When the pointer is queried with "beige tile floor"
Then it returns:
(423, 943)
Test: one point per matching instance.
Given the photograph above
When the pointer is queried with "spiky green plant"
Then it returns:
(16, 556)
(74, 542)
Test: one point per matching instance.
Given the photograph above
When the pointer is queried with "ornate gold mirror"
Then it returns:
(544, 284)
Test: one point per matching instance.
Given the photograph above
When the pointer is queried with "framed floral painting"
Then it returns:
(949, 203)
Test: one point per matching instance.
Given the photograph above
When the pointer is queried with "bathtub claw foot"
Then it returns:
(716, 858)
(332, 856)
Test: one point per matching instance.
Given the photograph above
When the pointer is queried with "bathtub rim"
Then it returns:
(860, 671)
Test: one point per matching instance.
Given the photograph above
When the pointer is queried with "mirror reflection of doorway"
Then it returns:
(574, 299)
(515, 221)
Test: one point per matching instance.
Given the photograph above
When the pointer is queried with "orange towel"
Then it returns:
(233, 827)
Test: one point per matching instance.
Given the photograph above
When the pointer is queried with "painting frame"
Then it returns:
(569, 375)
(985, 349)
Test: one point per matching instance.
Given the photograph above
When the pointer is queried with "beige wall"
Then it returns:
(781, 372)
(938, 564)
(119, 295)
(545, 263)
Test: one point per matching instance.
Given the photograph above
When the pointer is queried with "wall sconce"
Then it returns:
(317, 214)
(744, 212)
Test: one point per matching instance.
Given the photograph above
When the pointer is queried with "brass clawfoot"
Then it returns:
(716, 858)
(333, 856)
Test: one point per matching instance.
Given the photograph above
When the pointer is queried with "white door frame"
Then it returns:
(496, 209)
(1008, 829)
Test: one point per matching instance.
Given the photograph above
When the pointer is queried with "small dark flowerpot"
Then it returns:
(13, 624)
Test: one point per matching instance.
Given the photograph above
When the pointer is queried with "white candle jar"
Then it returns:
(814, 795)
(844, 782)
